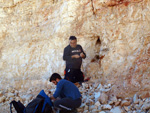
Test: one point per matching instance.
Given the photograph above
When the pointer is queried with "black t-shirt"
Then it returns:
(73, 63)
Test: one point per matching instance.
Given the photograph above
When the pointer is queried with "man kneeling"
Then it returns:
(68, 93)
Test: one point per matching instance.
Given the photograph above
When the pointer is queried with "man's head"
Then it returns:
(73, 41)
(55, 78)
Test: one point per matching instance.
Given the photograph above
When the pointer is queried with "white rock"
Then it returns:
(106, 107)
(86, 111)
(10, 95)
(29, 97)
(110, 102)
(135, 99)
(97, 103)
(116, 110)
(137, 106)
(114, 99)
(147, 100)
(2, 99)
(109, 85)
(103, 98)
(99, 108)
(97, 95)
(146, 106)
(94, 111)
(134, 112)
(91, 107)
(105, 90)
(99, 86)
(141, 102)
(102, 112)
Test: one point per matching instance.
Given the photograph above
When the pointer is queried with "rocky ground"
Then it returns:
(97, 98)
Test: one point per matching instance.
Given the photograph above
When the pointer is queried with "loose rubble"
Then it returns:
(95, 99)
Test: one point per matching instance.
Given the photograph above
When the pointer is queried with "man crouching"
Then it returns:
(68, 93)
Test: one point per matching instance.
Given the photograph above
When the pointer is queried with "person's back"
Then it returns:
(70, 97)
(67, 89)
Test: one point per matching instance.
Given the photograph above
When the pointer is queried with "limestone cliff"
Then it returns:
(115, 35)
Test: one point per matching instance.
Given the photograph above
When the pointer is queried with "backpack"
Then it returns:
(41, 104)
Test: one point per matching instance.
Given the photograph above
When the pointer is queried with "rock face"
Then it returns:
(115, 35)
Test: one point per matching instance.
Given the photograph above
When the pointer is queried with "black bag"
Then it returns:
(41, 104)
(74, 75)
(19, 107)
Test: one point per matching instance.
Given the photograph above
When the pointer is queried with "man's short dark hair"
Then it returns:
(54, 76)
(72, 38)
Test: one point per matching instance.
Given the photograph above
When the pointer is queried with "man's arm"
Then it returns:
(58, 90)
(66, 55)
(82, 54)
(52, 98)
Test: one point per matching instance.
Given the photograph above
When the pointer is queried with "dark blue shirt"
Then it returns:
(66, 88)
(73, 63)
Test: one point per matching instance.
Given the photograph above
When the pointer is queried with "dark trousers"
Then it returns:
(74, 75)
(67, 103)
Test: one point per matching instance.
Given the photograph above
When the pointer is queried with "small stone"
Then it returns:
(85, 111)
(109, 85)
(97, 103)
(141, 102)
(125, 103)
(127, 99)
(106, 107)
(99, 108)
(91, 107)
(103, 98)
(146, 106)
(114, 99)
(137, 106)
(29, 97)
(134, 112)
(117, 103)
(2, 99)
(94, 111)
(110, 102)
(10, 95)
(102, 112)
(126, 108)
(135, 99)
(97, 95)
(116, 110)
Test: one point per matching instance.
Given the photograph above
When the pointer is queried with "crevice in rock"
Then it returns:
(93, 7)
(97, 58)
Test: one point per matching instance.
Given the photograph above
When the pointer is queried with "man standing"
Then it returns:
(73, 55)
(70, 97)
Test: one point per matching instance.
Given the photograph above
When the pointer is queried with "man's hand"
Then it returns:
(52, 98)
(82, 55)
(75, 56)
